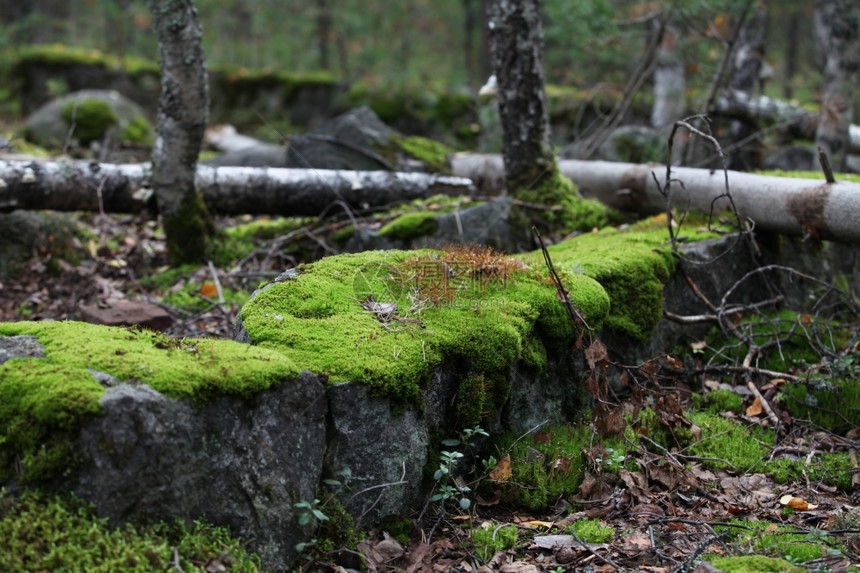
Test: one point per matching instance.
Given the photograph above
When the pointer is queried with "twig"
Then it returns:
(825, 165)
(764, 404)
(175, 562)
(575, 315)
(214, 272)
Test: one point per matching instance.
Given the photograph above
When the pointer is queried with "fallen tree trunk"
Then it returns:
(780, 204)
(763, 111)
(125, 188)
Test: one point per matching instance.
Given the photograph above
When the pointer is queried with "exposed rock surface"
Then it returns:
(349, 141)
(239, 464)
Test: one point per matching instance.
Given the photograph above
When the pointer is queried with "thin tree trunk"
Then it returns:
(669, 82)
(516, 39)
(182, 114)
(747, 78)
(470, 22)
(837, 25)
(323, 32)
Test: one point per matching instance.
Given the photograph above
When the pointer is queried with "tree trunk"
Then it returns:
(780, 204)
(182, 114)
(470, 23)
(837, 25)
(747, 78)
(323, 32)
(87, 186)
(670, 85)
(516, 40)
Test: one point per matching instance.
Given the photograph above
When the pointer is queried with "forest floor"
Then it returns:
(650, 508)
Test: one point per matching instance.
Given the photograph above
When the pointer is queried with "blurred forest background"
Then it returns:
(435, 43)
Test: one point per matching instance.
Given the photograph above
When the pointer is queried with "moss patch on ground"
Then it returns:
(42, 533)
(465, 306)
(754, 564)
(44, 401)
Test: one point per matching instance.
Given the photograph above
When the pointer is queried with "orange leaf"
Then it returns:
(755, 408)
(208, 289)
(797, 503)
(502, 473)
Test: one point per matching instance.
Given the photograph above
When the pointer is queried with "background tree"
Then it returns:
(837, 27)
(182, 114)
(531, 171)
(516, 44)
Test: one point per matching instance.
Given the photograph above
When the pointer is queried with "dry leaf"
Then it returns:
(796, 503)
(208, 290)
(755, 408)
(502, 471)
(596, 354)
(536, 523)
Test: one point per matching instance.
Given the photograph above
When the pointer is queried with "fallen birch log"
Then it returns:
(124, 188)
(781, 204)
(764, 111)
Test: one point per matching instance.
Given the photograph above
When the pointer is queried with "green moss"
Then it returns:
(237, 242)
(832, 404)
(433, 154)
(317, 319)
(632, 267)
(494, 538)
(592, 531)
(189, 230)
(411, 225)
(42, 533)
(473, 400)
(552, 466)
(817, 175)
(575, 214)
(43, 401)
(60, 55)
(719, 401)
(730, 445)
(341, 236)
(139, 130)
(754, 564)
(91, 118)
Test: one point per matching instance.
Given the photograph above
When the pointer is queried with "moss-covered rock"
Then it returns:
(45, 401)
(89, 115)
(633, 268)
(459, 305)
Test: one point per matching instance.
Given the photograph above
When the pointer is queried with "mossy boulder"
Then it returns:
(360, 140)
(87, 116)
(138, 424)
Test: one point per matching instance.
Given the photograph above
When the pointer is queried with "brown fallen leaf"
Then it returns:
(796, 503)
(502, 471)
(755, 408)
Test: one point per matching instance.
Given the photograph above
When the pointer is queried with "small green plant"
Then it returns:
(448, 486)
(310, 512)
(445, 489)
(612, 460)
(314, 513)
(489, 541)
